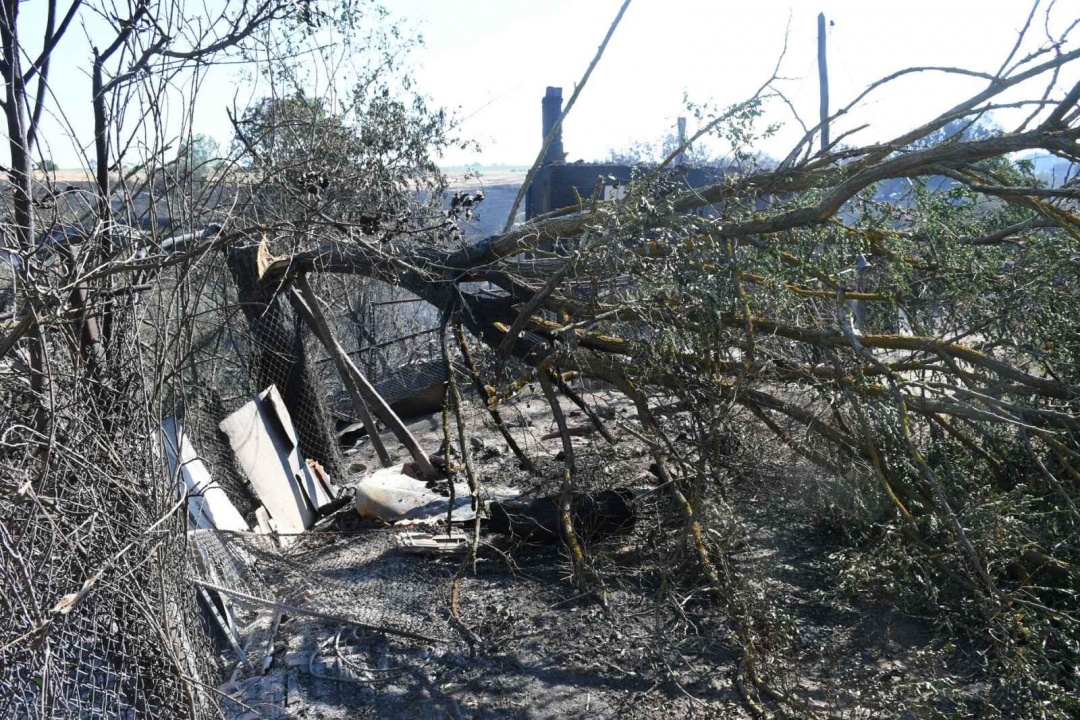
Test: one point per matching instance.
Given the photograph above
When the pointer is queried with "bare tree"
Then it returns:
(109, 278)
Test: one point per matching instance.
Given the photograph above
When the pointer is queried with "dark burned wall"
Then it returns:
(560, 185)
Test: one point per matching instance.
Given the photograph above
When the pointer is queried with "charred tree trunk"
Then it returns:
(278, 358)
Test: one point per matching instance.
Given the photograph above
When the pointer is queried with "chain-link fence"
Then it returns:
(357, 579)
(109, 608)
(97, 619)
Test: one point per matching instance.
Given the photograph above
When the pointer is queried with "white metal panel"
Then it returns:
(208, 503)
(262, 436)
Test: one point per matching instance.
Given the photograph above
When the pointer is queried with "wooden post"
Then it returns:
(311, 314)
(823, 78)
(308, 306)
(681, 159)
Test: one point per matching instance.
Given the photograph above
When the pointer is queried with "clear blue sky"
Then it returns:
(490, 60)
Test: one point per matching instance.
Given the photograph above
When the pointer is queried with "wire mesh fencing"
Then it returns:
(96, 618)
(351, 579)
(108, 607)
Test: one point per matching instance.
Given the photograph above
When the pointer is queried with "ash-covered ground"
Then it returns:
(662, 644)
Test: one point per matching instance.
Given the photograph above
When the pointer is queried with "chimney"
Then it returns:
(552, 105)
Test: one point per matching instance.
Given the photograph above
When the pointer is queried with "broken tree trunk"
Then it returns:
(308, 306)
(278, 358)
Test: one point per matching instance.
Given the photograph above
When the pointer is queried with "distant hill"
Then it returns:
(484, 169)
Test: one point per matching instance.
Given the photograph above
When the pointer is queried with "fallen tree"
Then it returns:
(919, 342)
